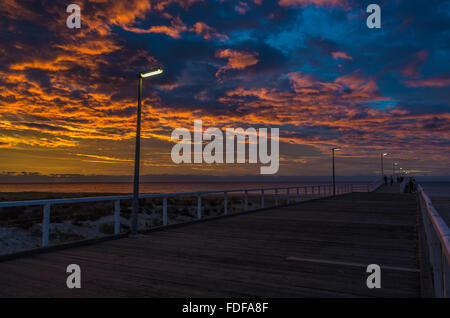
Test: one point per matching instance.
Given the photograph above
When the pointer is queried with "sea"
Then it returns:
(436, 189)
(149, 187)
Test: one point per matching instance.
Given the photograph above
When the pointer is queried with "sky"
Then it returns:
(311, 68)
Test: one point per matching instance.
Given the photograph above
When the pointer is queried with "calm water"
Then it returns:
(154, 187)
(438, 189)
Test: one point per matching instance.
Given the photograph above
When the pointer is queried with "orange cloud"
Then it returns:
(175, 30)
(236, 60)
(341, 55)
(242, 7)
(206, 31)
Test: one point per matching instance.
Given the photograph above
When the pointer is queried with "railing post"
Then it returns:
(46, 225)
(262, 198)
(199, 206)
(288, 196)
(165, 218)
(437, 267)
(225, 203)
(276, 196)
(298, 194)
(446, 268)
(246, 201)
(319, 190)
(117, 217)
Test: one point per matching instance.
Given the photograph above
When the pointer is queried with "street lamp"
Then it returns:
(134, 214)
(382, 168)
(393, 168)
(334, 176)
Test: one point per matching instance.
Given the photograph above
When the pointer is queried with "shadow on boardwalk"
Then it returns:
(314, 249)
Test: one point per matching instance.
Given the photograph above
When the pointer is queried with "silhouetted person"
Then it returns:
(411, 185)
(392, 181)
(385, 180)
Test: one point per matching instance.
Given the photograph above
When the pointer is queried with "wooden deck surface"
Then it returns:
(314, 249)
(394, 188)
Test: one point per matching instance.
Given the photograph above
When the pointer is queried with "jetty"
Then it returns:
(313, 248)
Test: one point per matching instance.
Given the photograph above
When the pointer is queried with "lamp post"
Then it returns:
(393, 168)
(137, 154)
(334, 175)
(382, 168)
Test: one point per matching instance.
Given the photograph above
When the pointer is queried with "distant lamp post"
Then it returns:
(334, 175)
(382, 168)
(134, 214)
(394, 164)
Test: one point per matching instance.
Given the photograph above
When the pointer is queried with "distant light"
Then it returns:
(151, 72)
(337, 148)
(385, 154)
(395, 163)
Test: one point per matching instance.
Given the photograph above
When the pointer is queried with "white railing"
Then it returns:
(438, 241)
(292, 194)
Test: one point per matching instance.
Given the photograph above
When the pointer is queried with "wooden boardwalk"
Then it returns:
(395, 188)
(314, 249)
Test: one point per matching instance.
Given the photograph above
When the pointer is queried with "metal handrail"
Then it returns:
(438, 241)
(311, 191)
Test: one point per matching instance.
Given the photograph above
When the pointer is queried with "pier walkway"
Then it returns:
(395, 188)
(318, 248)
